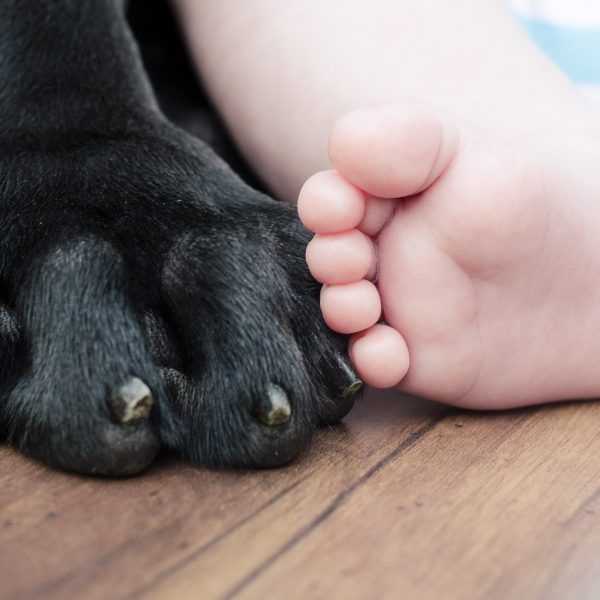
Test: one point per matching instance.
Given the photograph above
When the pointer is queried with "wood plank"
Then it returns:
(63, 535)
(500, 506)
(407, 499)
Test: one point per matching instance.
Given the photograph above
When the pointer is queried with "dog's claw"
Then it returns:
(133, 401)
(351, 389)
(354, 383)
(276, 410)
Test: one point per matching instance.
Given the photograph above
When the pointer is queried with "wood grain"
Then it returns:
(406, 499)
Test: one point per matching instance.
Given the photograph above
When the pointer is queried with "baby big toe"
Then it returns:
(392, 151)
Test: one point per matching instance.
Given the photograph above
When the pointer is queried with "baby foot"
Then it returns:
(477, 256)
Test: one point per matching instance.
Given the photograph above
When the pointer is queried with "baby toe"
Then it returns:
(351, 307)
(328, 203)
(380, 356)
(392, 151)
(378, 211)
(339, 258)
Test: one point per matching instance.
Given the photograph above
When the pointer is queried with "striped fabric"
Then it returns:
(569, 32)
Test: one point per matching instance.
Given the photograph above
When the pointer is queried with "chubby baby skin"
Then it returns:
(457, 212)
(466, 265)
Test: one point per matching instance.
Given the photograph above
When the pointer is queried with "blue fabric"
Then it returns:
(575, 50)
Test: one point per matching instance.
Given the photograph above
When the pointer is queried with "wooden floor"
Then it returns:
(406, 500)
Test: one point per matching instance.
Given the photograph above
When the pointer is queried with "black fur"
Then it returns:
(128, 248)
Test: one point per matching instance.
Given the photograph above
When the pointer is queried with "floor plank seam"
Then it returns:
(140, 592)
(338, 501)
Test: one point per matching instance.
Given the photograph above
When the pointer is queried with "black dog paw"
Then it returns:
(148, 297)
(259, 371)
(83, 399)
(154, 299)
